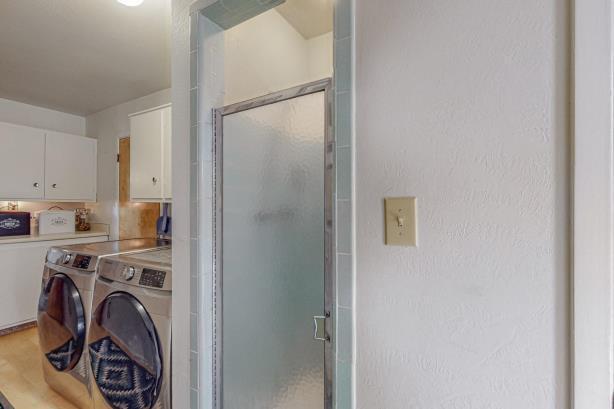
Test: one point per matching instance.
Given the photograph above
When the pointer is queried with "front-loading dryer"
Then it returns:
(64, 310)
(129, 340)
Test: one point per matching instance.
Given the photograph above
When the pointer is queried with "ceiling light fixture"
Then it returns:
(131, 3)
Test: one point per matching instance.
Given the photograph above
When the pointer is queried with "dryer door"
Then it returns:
(61, 322)
(125, 353)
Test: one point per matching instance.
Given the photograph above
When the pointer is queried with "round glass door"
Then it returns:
(125, 353)
(61, 322)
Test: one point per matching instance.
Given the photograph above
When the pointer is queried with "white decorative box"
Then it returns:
(56, 221)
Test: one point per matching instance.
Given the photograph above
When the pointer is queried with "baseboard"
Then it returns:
(17, 328)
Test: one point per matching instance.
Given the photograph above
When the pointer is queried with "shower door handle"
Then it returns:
(319, 327)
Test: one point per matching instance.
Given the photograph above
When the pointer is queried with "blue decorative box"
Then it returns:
(14, 223)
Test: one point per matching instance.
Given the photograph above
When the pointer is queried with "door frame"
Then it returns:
(198, 62)
(324, 86)
(593, 201)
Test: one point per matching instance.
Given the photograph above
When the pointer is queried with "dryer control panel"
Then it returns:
(147, 270)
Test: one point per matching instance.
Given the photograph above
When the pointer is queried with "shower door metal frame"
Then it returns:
(324, 86)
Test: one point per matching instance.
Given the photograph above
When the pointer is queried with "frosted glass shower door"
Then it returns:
(273, 255)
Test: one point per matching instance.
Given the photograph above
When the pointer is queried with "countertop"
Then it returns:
(96, 231)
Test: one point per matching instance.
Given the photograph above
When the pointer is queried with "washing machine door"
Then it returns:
(125, 353)
(61, 322)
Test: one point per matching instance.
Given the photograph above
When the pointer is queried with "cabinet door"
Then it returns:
(70, 167)
(167, 189)
(22, 269)
(22, 162)
(146, 156)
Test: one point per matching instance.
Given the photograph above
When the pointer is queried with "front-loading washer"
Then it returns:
(64, 310)
(130, 332)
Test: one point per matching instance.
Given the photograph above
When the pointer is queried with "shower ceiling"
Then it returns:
(310, 18)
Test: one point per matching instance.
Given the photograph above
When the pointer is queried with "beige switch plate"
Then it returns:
(401, 223)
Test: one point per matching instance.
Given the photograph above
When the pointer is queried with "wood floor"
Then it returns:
(21, 374)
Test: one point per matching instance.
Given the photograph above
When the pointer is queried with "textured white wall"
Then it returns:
(37, 117)
(464, 104)
(108, 126)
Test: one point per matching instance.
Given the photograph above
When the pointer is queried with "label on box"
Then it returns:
(10, 224)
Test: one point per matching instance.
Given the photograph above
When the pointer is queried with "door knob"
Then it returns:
(36, 184)
(54, 185)
(319, 327)
(154, 180)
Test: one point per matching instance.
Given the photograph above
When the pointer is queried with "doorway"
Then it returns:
(136, 220)
(274, 247)
(201, 94)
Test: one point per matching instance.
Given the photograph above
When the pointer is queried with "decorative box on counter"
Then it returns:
(56, 221)
(14, 223)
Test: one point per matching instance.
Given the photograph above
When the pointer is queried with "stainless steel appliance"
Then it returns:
(130, 332)
(64, 310)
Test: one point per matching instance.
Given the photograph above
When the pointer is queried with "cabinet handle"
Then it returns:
(36, 184)
(54, 185)
(154, 180)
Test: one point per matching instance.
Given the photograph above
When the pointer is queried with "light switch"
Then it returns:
(401, 223)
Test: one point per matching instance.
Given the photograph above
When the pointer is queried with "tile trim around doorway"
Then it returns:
(205, 94)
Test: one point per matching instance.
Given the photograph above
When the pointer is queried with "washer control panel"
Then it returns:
(152, 278)
(66, 259)
(128, 273)
(82, 261)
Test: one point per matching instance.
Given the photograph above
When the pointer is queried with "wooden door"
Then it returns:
(136, 220)
(22, 162)
(70, 167)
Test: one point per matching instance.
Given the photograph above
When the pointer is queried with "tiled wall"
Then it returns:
(343, 81)
(181, 202)
(229, 13)
(206, 93)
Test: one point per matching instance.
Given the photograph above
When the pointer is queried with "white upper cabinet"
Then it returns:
(167, 190)
(36, 164)
(22, 162)
(70, 167)
(150, 134)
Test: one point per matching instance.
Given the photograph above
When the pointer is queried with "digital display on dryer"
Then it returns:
(82, 261)
(152, 278)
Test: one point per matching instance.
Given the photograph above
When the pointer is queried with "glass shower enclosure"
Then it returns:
(274, 168)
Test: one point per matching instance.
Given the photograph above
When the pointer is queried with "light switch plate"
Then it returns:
(401, 223)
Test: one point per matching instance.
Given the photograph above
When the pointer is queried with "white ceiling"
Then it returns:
(81, 56)
(311, 18)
